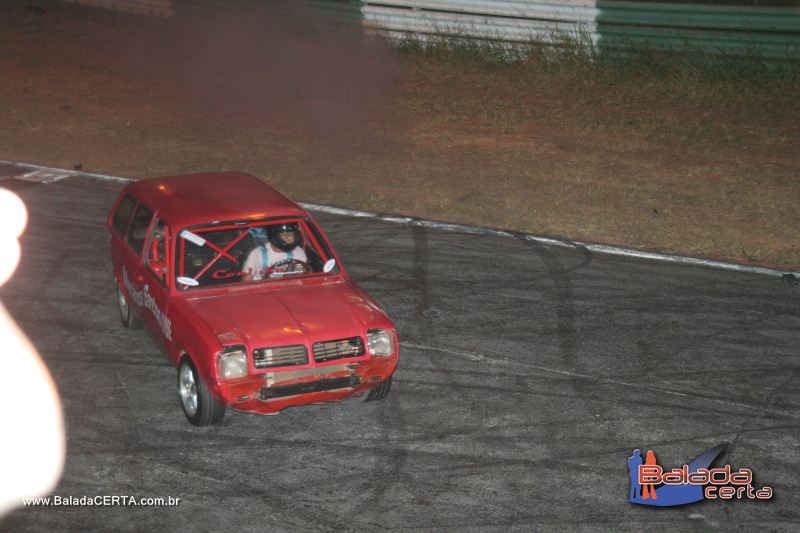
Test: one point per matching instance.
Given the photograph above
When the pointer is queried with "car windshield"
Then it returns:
(251, 252)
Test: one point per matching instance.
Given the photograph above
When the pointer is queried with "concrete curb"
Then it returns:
(66, 172)
(592, 247)
(477, 230)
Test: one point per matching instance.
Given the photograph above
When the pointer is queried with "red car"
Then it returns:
(246, 295)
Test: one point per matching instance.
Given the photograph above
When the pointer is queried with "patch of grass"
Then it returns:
(575, 53)
(694, 154)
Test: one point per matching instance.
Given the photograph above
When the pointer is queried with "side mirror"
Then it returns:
(329, 265)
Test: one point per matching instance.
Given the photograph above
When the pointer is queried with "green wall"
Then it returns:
(736, 29)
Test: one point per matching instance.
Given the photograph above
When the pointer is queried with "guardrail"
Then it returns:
(505, 21)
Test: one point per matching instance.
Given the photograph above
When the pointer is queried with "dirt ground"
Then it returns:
(330, 116)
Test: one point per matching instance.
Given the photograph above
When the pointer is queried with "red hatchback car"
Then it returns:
(246, 295)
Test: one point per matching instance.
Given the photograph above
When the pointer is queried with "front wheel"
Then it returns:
(199, 405)
(380, 392)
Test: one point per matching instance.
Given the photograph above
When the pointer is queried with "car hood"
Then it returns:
(289, 315)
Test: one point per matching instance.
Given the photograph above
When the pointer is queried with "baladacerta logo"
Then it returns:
(652, 485)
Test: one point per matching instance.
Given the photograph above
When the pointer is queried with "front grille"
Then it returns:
(270, 393)
(338, 349)
(293, 355)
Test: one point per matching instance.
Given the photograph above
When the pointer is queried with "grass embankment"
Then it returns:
(694, 154)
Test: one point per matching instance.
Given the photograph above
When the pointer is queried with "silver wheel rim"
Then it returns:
(187, 389)
(123, 304)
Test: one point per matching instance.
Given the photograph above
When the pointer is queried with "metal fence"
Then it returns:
(507, 21)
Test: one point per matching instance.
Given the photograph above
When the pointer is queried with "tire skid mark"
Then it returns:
(362, 249)
(790, 379)
(424, 302)
(278, 500)
(410, 367)
(473, 459)
(566, 315)
(574, 376)
(567, 334)
(385, 477)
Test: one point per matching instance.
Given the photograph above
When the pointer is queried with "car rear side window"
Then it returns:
(122, 216)
(139, 224)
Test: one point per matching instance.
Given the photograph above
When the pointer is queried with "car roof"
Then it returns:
(192, 199)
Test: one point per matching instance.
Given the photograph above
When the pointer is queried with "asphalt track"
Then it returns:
(528, 374)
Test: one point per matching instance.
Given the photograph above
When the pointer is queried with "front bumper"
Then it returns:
(272, 392)
(307, 387)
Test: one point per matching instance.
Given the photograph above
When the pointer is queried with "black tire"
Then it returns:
(126, 314)
(380, 392)
(199, 405)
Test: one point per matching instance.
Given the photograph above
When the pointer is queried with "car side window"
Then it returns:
(122, 216)
(139, 224)
(156, 251)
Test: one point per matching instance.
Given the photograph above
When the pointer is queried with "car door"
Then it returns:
(127, 245)
(154, 273)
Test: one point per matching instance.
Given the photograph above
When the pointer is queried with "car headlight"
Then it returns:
(380, 342)
(233, 362)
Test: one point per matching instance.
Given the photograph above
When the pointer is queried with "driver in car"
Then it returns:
(282, 253)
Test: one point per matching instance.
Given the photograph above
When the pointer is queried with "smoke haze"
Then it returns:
(286, 64)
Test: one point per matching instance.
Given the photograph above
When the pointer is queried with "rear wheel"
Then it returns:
(126, 314)
(380, 392)
(199, 405)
